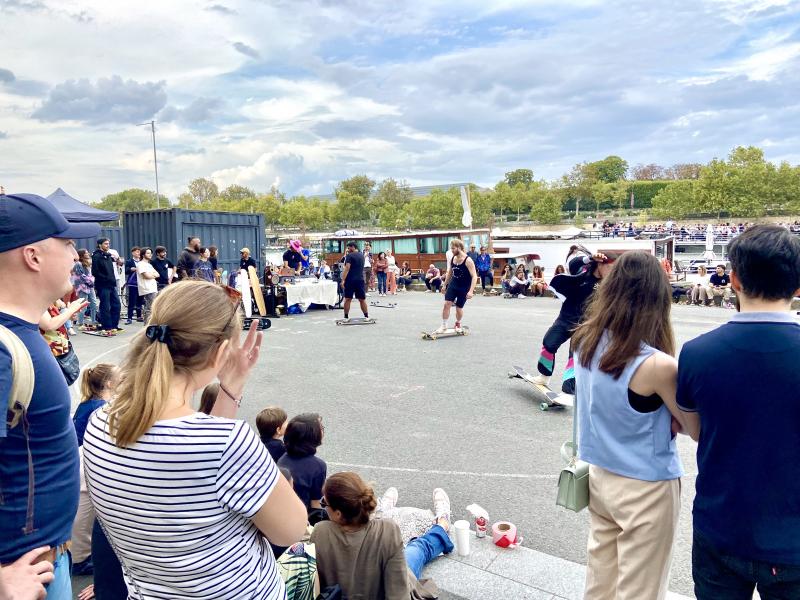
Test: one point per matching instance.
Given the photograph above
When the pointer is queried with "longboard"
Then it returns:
(255, 285)
(360, 321)
(544, 395)
(98, 333)
(377, 304)
(446, 333)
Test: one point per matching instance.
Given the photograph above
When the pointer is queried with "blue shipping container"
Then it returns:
(171, 228)
(114, 235)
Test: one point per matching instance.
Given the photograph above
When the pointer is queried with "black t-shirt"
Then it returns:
(308, 475)
(250, 262)
(276, 448)
(356, 262)
(720, 280)
(293, 259)
(161, 266)
(577, 289)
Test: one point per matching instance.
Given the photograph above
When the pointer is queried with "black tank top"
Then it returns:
(461, 278)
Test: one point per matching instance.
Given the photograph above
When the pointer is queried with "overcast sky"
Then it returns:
(303, 94)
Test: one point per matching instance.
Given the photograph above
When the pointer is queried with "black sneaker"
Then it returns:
(85, 567)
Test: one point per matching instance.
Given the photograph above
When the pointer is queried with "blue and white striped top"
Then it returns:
(177, 507)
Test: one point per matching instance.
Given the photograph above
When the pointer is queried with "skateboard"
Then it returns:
(98, 333)
(356, 321)
(545, 396)
(262, 323)
(446, 333)
(377, 304)
(258, 295)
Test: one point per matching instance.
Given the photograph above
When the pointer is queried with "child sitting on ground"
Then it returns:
(302, 438)
(271, 424)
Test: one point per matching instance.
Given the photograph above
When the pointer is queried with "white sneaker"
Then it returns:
(389, 500)
(458, 328)
(520, 295)
(441, 504)
(541, 379)
(440, 329)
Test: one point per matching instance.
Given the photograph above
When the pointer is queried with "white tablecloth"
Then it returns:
(311, 291)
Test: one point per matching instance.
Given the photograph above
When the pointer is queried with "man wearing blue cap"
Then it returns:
(36, 514)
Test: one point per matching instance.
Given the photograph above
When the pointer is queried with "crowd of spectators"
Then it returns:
(682, 231)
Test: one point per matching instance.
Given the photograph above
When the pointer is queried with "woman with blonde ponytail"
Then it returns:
(365, 556)
(187, 499)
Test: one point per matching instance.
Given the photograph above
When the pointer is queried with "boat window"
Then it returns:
(429, 245)
(379, 246)
(333, 246)
(405, 246)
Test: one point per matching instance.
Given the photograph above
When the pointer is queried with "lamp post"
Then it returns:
(152, 125)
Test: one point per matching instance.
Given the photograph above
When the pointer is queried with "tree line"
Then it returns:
(744, 184)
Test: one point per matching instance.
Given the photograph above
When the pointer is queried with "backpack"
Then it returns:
(22, 376)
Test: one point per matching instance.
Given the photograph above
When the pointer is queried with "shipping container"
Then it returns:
(114, 235)
(228, 231)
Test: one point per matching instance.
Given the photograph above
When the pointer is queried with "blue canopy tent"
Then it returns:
(78, 212)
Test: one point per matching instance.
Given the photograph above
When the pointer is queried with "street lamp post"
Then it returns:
(152, 125)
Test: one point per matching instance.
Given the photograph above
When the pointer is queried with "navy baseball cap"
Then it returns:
(28, 218)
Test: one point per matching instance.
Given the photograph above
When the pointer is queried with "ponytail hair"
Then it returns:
(200, 316)
(350, 495)
(95, 380)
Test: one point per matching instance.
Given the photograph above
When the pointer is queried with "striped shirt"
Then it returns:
(177, 508)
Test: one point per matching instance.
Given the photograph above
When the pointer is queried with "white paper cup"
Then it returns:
(462, 537)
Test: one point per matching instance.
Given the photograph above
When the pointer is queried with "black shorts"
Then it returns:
(456, 296)
(355, 289)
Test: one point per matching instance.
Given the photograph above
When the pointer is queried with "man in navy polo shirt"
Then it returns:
(36, 256)
(747, 507)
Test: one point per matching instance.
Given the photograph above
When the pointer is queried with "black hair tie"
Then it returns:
(158, 333)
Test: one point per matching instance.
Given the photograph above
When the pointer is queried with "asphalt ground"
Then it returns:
(418, 414)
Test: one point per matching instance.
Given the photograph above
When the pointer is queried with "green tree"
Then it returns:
(740, 186)
(577, 184)
(608, 195)
(350, 208)
(131, 200)
(398, 194)
(517, 176)
(203, 191)
(676, 200)
(547, 206)
(390, 217)
(441, 209)
(236, 192)
(610, 169)
(358, 185)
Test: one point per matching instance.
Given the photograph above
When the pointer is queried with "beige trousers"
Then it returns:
(633, 527)
(84, 521)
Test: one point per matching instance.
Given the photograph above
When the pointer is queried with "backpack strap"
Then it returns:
(22, 376)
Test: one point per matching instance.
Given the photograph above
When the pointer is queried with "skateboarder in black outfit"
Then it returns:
(459, 284)
(353, 282)
(576, 288)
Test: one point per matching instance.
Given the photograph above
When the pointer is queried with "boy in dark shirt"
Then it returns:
(271, 424)
(719, 285)
(162, 265)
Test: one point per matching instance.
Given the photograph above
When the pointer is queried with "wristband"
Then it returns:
(238, 400)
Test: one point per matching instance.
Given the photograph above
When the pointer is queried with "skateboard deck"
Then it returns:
(544, 395)
(255, 285)
(359, 321)
(377, 304)
(243, 285)
(262, 323)
(446, 333)
(98, 333)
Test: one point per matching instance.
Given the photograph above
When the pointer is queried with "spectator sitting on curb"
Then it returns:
(433, 279)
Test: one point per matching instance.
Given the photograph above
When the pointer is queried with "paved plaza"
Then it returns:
(418, 414)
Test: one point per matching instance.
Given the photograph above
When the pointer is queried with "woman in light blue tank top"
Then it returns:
(626, 379)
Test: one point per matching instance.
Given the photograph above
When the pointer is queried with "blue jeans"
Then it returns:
(109, 307)
(61, 586)
(719, 575)
(381, 282)
(422, 550)
(92, 308)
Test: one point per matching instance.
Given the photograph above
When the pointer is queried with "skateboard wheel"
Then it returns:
(544, 406)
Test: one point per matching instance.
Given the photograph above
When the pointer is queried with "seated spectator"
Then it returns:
(699, 291)
(505, 279)
(405, 278)
(559, 270)
(538, 283)
(433, 279)
(271, 424)
(196, 526)
(323, 271)
(366, 556)
(303, 436)
(518, 284)
(719, 285)
(209, 398)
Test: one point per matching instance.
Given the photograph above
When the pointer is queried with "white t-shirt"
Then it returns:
(146, 286)
(177, 507)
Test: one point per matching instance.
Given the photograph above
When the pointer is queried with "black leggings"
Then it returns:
(486, 276)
